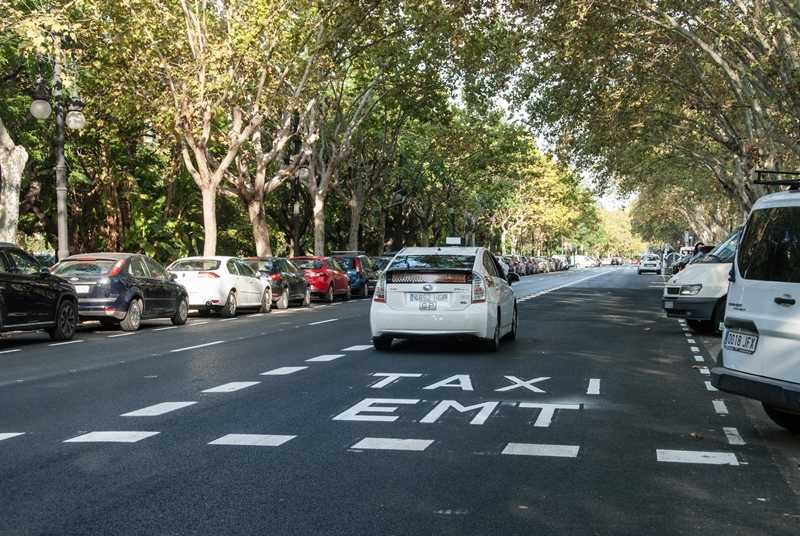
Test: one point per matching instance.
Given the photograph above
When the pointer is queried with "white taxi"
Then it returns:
(444, 291)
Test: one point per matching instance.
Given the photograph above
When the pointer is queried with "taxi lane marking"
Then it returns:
(696, 456)
(324, 358)
(253, 440)
(214, 343)
(9, 435)
(158, 409)
(282, 371)
(357, 348)
(230, 387)
(111, 437)
(533, 449)
(388, 443)
(720, 407)
(710, 387)
(594, 387)
(733, 436)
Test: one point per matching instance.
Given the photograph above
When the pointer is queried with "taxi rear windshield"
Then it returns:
(433, 262)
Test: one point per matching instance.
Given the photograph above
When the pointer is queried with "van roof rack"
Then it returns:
(793, 184)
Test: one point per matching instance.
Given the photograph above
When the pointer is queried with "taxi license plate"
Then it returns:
(669, 305)
(427, 302)
(82, 289)
(741, 342)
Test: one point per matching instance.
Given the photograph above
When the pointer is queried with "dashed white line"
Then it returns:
(699, 359)
(65, 342)
(704, 371)
(197, 323)
(323, 322)
(696, 456)
(11, 351)
(158, 409)
(533, 449)
(594, 387)
(357, 348)
(387, 443)
(166, 328)
(196, 346)
(9, 435)
(230, 387)
(126, 334)
(111, 437)
(710, 387)
(253, 440)
(691, 341)
(282, 371)
(733, 436)
(720, 407)
(695, 349)
(324, 358)
(227, 319)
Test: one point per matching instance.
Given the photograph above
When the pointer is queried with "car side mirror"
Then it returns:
(44, 270)
(172, 277)
(513, 278)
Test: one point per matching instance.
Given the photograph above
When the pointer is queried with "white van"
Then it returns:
(698, 293)
(760, 357)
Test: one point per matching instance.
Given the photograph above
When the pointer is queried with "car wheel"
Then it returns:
(512, 335)
(349, 294)
(639, 272)
(133, 318)
(229, 309)
(382, 344)
(181, 313)
(307, 298)
(493, 344)
(266, 302)
(283, 301)
(330, 296)
(66, 321)
(785, 419)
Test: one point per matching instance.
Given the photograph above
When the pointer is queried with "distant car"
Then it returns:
(325, 277)
(453, 291)
(222, 284)
(288, 281)
(123, 288)
(650, 263)
(359, 268)
(32, 298)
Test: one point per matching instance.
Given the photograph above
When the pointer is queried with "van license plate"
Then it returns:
(741, 342)
(669, 305)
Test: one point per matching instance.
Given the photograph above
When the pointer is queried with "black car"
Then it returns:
(123, 288)
(288, 282)
(32, 298)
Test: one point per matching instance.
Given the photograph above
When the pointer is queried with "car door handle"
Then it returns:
(780, 300)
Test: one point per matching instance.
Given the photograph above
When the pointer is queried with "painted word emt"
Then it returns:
(379, 409)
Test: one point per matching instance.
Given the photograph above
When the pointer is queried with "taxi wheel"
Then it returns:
(493, 344)
(512, 335)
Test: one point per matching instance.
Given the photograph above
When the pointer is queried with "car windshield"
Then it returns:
(83, 267)
(428, 262)
(194, 265)
(723, 252)
(261, 265)
(310, 264)
(650, 258)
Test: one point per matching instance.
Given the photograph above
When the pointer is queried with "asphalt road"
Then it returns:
(597, 420)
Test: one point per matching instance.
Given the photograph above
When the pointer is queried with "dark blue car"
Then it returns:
(362, 273)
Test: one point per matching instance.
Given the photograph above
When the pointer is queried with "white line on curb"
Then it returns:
(65, 343)
(710, 387)
(720, 407)
(733, 436)
(323, 322)
(196, 346)
(9, 435)
(11, 351)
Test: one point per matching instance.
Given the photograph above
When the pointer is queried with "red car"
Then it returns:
(325, 277)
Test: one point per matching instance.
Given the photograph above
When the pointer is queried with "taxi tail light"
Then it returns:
(430, 277)
(478, 289)
(117, 268)
(209, 275)
(380, 291)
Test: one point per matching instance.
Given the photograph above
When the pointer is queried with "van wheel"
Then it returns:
(784, 419)
(133, 317)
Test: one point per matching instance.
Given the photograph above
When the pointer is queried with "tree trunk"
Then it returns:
(209, 192)
(258, 220)
(319, 223)
(356, 206)
(12, 164)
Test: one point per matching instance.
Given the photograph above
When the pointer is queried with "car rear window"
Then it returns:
(308, 265)
(433, 262)
(347, 262)
(83, 267)
(770, 248)
(194, 265)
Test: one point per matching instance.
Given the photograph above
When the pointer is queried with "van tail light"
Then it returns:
(478, 289)
(117, 268)
(380, 291)
(209, 275)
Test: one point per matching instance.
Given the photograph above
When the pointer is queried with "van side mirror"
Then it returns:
(732, 274)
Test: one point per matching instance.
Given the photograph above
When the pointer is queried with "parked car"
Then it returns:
(380, 263)
(760, 355)
(32, 298)
(287, 280)
(325, 277)
(650, 263)
(457, 292)
(222, 285)
(358, 267)
(699, 292)
(123, 288)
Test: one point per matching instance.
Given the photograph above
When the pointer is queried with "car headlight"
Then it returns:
(690, 290)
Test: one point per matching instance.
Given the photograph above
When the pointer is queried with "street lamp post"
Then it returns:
(74, 120)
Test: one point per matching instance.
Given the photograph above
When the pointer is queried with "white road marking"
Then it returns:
(696, 456)
(357, 348)
(324, 358)
(9, 435)
(710, 387)
(11, 351)
(158, 409)
(323, 322)
(388, 443)
(733, 436)
(685, 329)
(484, 409)
(517, 383)
(354, 413)
(704, 371)
(699, 359)
(111, 437)
(533, 449)
(253, 440)
(168, 327)
(198, 323)
(695, 349)
(196, 346)
(691, 341)
(282, 371)
(122, 334)
(594, 387)
(547, 412)
(257, 315)
(720, 407)
(65, 343)
(391, 377)
(230, 387)
(227, 319)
